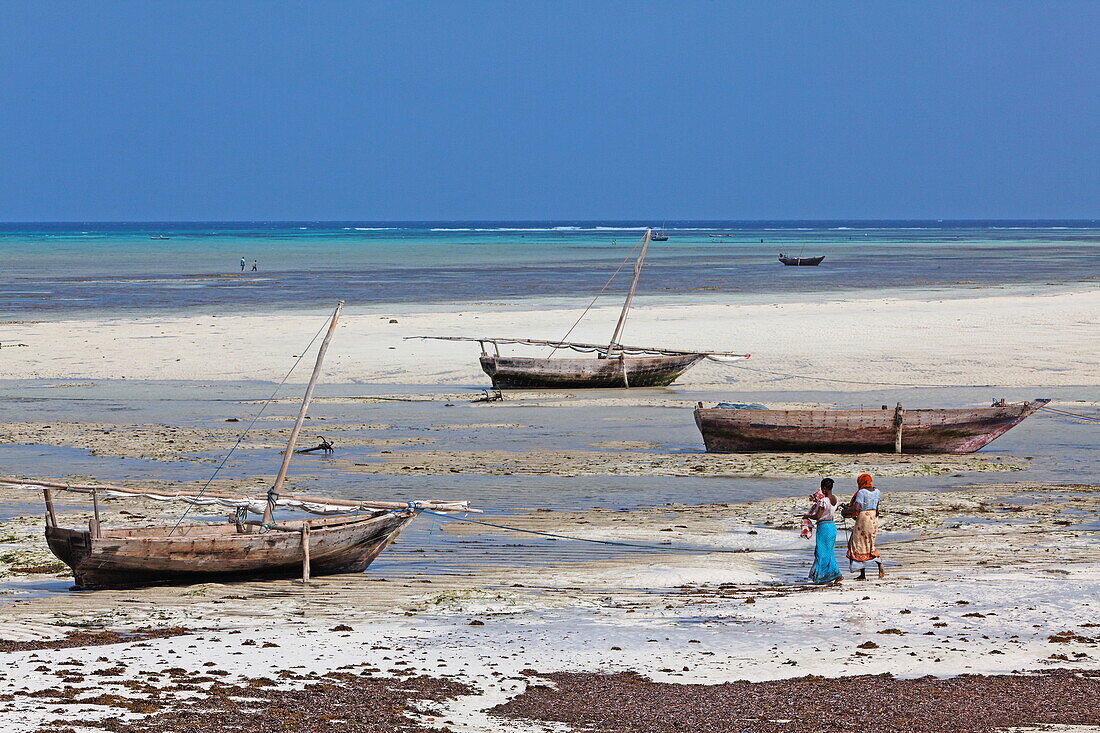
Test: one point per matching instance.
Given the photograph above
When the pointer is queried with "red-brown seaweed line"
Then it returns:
(628, 702)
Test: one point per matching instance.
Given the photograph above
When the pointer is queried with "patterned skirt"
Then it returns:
(861, 545)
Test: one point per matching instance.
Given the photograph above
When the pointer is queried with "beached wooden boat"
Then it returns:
(636, 371)
(614, 365)
(959, 430)
(102, 557)
(801, 261)
(130, 557)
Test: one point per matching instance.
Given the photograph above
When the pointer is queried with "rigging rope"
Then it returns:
(629, 256)
(263, 407)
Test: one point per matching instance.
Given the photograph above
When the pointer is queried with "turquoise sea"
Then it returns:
(118, 268)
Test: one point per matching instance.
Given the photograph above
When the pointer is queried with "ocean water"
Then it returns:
(94, 269)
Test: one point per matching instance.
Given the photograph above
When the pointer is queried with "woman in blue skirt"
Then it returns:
(823, 510)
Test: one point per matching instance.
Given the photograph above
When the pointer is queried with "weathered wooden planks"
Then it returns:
(629, 371)
(963, 430)
(121, 558)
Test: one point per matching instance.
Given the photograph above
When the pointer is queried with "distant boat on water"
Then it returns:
(614, 365)
(800, 261)
(658, 237)
(159, 236)
(951, 430)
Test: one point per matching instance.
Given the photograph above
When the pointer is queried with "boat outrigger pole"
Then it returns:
(630, 295)
(273, 493)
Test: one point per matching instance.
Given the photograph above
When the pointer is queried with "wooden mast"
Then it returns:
(630, 295)
(289, 452)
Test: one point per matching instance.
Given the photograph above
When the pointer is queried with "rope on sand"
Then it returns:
(873, 384)
(669, 548)
(1071, 414)
(702, 550)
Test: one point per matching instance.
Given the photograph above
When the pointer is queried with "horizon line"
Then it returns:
(635, 222)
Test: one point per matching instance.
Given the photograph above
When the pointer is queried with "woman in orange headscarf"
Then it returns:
(864, 509)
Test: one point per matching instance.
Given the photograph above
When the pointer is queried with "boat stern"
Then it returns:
(70, 546)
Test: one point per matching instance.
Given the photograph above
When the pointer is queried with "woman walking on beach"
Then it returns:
(861, 545)
(825, 569)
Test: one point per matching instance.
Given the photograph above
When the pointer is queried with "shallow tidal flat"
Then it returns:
(648, 463)
(410, 452)
(664, 579)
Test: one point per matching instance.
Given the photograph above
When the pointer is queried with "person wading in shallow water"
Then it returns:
(822, 510)
(255, 265)
(864, 509)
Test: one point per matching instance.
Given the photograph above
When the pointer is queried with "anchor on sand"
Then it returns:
(325, 445)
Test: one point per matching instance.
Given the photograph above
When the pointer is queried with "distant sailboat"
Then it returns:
(613, 366)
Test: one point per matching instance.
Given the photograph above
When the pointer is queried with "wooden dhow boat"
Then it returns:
(351, 535)
(613, 365)
(958, 430)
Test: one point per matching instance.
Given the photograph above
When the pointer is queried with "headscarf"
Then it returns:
(865, 481)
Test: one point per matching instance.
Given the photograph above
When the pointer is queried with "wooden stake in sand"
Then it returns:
(305, 552)
(899, 421)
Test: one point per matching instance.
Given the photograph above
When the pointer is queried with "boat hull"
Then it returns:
(857, 431)
(802, 261)
(542, 373)
(127, 558)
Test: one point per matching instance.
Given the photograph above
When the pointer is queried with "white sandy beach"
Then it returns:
(997, 339)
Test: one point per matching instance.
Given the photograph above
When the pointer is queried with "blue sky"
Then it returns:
(548, 110)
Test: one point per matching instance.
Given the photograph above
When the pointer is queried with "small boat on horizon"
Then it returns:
(658, 237)
(800, 261)
(949, 430)
(159, 236)
(613, 366)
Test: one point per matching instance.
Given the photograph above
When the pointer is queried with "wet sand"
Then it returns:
(647, 463)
